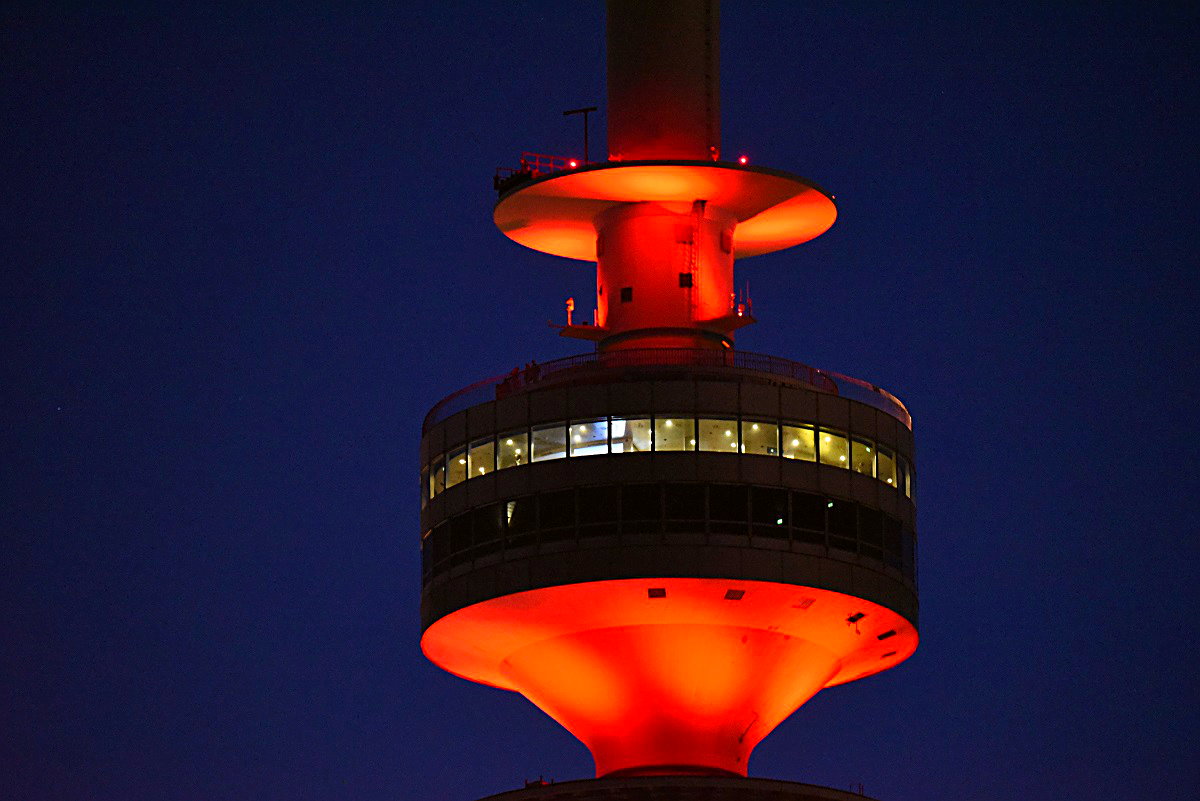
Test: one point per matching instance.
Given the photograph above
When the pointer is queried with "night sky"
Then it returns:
(244, 254)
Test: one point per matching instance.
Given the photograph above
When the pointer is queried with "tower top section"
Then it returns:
(663, 217)
(663, 101)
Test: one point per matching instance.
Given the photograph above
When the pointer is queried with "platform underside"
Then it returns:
(555, 214)
(682, 674)
(677, 788)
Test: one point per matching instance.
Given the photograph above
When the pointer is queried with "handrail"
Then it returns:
(534, 374)
(533, 165)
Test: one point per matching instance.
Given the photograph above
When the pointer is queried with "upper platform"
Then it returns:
(555, 213)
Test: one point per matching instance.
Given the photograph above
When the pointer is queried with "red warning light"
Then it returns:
(572, 163)
(743, 160)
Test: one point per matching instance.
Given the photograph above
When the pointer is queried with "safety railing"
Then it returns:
(533, 165)
(591, 365)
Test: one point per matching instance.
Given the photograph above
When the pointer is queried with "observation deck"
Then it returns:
(699, 501)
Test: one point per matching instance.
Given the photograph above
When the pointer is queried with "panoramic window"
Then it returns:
(599, 510)
(886, 467)
(760, 437)
(512, 449)
(799, 442)
(727, 509)
(548, 442)
(718, 434)
(808, 517)
(842, 519)
(770, 511)
(437, 476)
(481, 458)
(488, 523)
(674, 433)
(556, 510)
(833, 448)
(641, 508)
(668, 432)
(456, 467)
(631, 435)
(684, 502)
(863, 457)
(589, 438)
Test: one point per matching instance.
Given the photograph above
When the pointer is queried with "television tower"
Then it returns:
(666, 544)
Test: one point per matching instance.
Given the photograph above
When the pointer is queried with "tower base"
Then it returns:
(677, 788)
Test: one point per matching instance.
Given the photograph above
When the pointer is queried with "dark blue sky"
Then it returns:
(243, 255)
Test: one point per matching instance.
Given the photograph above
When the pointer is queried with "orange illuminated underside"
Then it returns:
(556, 214)
(688, 682)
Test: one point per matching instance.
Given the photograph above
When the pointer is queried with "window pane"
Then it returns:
(520, 521)
(437, 476)
(910, 485)
(482, 458)
(426, 485)
(843, 525)
(599, 509)
(842, 517)
(727, 509)
(556, 509)
(770, 506)
(886, 467)
(834, 449)
(719, 435)
(548, 442)
(901, 474)
(640, 502)
(512, 449)
(674, 434)
(870, 526)
(630, 435)
(456, 467)
(863, 457)
(684, 501)
(760, 437)
(799, 442)
(808, 511)
(488, 522)
(589, 437)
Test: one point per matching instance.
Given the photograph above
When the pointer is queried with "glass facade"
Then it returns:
(760, 437)
(833, 448)
(862, 457)
(589, 438)
(548, 442)
(886, 467)
(799, 442)
(481, 459)
(674, 432)
(631, 435)
(512, 449)
(765, 516)
(456, 467)
(718, 434)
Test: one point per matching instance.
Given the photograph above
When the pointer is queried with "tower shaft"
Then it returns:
(663, 93)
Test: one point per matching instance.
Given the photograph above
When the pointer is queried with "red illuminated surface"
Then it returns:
(689, 682)
(557, 214)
